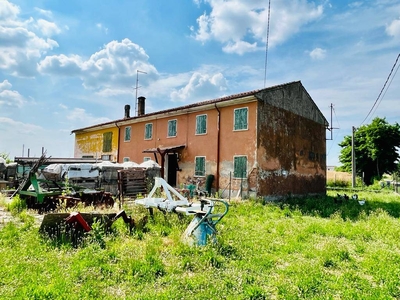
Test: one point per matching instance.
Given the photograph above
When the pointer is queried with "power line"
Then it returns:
(387, 79)
(266, 44)
(391, 80)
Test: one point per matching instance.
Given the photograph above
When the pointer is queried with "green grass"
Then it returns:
(309, 248)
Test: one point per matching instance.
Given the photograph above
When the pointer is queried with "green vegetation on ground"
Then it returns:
(308, 248)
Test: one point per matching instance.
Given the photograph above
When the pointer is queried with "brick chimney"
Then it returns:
(141, 106)
(127, 111)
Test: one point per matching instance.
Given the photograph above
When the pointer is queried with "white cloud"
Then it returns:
(8, 11)
(19, 127)
(48, 28)
(241, 26)
(9, 97)
(80, 117)
(200, 87)
(102, 28)
(20, 47)
(113, 67)
(44, 12)
(240, 47)
(393, 29)
(318, 54)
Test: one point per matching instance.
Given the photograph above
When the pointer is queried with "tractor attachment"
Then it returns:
(205, 219)
(72, 226)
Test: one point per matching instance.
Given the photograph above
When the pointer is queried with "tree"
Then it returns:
(376, 150)
(6, 157)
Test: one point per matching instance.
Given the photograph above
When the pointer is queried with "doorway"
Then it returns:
(172, 166)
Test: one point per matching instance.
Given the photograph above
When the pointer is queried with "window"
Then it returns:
(126, 159)
(87, 156)
(200, 166)
(146, 158)
(201, 124)
(240, 119)
(148, 131)
(172, 128)
(239, 166)
(106, 157)
(127, 134)
(107, 142)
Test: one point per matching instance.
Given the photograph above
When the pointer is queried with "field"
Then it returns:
(310, 248)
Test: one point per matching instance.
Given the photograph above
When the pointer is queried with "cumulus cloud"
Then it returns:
(114, 66)
(48, 28)
(8, 12)
(241, 26)
(393, 29)
(318, 54)
(200, 86)
(80, 117)
(20, 46)
(10, 97)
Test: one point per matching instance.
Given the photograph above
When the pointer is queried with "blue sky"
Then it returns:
(70, 64)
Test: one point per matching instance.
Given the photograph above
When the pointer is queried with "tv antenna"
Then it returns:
(136, 88)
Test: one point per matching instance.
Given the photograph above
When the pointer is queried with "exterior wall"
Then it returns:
(91, 143)
(291, 147)
(231, 142)
(284, 142)
(237, 143)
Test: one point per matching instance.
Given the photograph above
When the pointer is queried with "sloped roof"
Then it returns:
(188, 106)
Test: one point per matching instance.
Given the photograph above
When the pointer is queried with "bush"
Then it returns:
(338, 183)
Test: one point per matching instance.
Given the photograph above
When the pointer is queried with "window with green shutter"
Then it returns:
(240, 166)
(240, 118)
(172, 124)
(127, 134)
(200, 166)
(148, 131)
(107, 142)
(201, 124)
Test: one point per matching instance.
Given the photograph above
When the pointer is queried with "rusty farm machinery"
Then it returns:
(46, 194)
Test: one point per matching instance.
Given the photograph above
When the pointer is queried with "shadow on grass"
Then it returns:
(327, 206)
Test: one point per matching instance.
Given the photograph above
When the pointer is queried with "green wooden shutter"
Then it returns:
(107, 142)
(127, 134)
(172, 128)
(200, 167)
(239, 166)
(201, 124)
(240, 118)
(148, 131)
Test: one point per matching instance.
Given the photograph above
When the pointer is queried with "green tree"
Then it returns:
(376, 150)
(6, 157)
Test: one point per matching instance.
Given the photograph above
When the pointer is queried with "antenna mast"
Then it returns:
(136, 88)
(266, 44)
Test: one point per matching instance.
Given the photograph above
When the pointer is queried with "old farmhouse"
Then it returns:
(268, 142)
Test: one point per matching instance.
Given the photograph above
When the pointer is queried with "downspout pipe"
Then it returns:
(218, 146)
(119, 134)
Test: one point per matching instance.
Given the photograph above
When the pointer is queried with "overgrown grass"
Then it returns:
(309, 248)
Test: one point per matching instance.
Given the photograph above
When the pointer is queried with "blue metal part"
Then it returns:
(202, 228)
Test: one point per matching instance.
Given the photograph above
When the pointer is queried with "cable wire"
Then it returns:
(266, 44)
(387, 79)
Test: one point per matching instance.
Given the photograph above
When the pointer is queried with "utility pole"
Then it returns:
(353, 159)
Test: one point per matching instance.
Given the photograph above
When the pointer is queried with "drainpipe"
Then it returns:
(116, 124)
(218, 146)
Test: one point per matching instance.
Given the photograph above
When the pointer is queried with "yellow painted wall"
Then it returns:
(91, 143)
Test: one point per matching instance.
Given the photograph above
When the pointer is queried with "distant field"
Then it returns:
(340, 176)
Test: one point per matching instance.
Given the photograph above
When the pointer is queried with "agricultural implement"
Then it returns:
(202, 227)
(46, 195)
